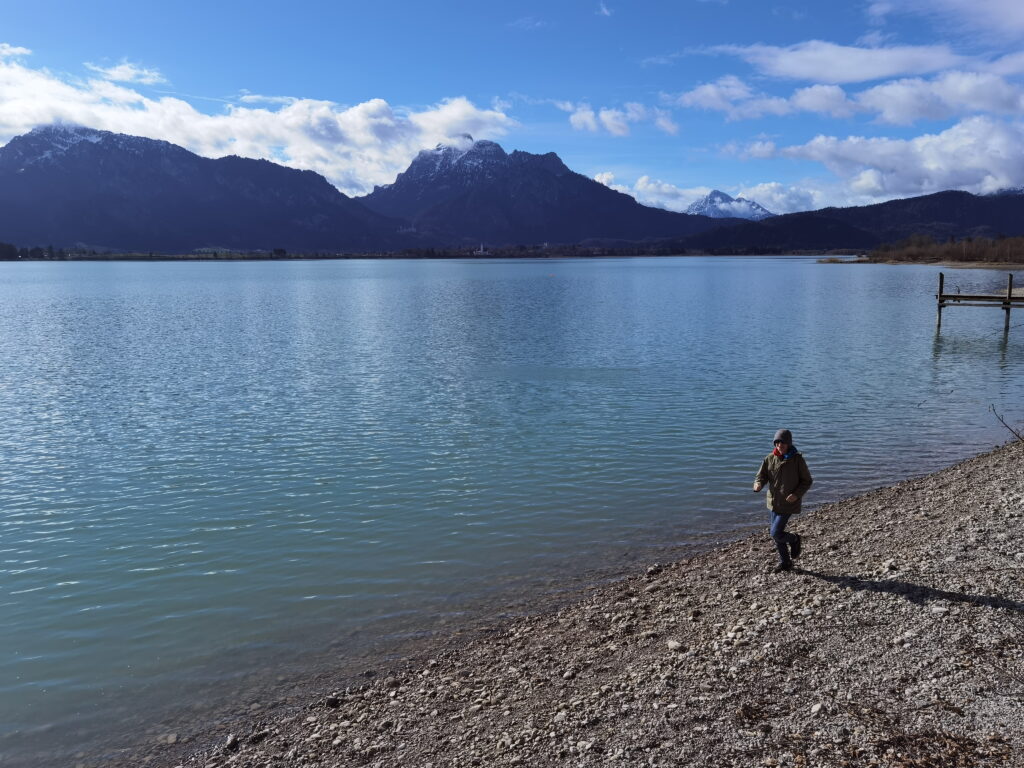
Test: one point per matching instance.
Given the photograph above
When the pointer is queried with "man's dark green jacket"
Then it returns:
(783, 477)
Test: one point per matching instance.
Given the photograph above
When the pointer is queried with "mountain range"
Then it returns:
(74, 186)
(68, 185)
(71, 186)
(478, 192)
(942, 215)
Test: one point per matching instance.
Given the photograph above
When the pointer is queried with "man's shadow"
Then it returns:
(915, 593)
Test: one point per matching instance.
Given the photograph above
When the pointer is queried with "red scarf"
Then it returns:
(778, 453)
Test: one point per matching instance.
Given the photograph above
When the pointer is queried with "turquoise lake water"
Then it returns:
(208, 467)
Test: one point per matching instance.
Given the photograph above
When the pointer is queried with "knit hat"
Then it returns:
(785, 436)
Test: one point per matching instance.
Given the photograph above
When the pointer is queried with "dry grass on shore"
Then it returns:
(975, 251)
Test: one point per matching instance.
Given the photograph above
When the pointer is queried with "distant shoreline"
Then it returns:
(496, 254)
(1000, 265)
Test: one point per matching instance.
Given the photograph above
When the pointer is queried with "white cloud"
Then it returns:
(615, 121)
(779, 198)
(905, 101)
(1010, 64)
(978, 154)
(758, 149)
(823, 62)
(720, 95)
(1001, 18)
(256, 98)
(823, 99)
(653, 192)
(583, 118)
(900, 102)
(608, 179)
(603, 10)
(761, 106)
(126, 72)
(735, 98)
(873, 39)
(10, 51)
(355, 147)
(636, 112)
(663, 120)
(877, 11)
(776, 197)
(661, 194)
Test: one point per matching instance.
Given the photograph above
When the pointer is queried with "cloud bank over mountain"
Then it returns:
(355, 147)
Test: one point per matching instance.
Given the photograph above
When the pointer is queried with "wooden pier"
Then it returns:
(1005, 301)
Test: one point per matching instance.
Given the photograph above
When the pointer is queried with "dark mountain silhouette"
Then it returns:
(477, 192)
(68, 185)
(942, 215)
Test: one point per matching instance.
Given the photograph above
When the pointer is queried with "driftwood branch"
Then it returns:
(1002, 421)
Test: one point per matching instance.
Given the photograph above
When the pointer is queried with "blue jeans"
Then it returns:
(781, 538)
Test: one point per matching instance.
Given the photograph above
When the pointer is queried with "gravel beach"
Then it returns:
(898, 641)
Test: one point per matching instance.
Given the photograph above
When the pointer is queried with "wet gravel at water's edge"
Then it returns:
(898, 641)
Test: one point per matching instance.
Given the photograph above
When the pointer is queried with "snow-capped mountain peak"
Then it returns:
(466, 151)
(459, 162)
(51, 143)
(66, 134)
(719, 205)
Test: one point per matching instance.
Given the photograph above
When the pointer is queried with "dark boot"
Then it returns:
(795, 546)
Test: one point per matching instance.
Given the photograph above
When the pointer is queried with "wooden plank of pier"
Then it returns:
(1003, 301)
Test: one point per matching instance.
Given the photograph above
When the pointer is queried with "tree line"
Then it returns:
(998, 250)
(10, 252)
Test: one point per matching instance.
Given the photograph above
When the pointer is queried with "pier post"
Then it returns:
(1009, 298)
(938, 296)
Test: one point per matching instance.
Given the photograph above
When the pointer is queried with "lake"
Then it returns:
(210, 469)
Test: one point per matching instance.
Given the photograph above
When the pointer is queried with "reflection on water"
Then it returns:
(211, 467)
(985, 346)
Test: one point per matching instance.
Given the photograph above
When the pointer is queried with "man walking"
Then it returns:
(785, 473)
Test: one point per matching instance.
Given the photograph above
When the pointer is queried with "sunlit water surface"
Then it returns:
(211, 467)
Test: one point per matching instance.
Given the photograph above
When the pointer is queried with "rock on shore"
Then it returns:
(898, 642)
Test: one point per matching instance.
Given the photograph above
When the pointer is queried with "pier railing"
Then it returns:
(1004, 301)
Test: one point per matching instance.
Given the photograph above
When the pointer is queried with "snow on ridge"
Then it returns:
(63, 136)
(466, 153)
(718, 204)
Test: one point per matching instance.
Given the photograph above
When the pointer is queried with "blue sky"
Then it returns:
(795, 104)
